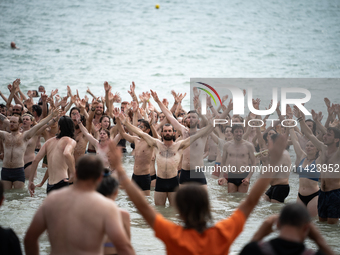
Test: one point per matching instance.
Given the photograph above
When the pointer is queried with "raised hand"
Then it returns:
(154, 95)
(64, 102)
(29, 103)
(69, 92)
(208, 101)
(224, 98)
(314, 115)
(230, 105)
(289, 111)
(196, 92)
(55, 112)
(327, 102)
(134, 106)
(335, 123)
(165, 102)
(50, 101)
(16, 84)
(132, 89)
(181, 96)
(43, 97)
(299, 114)
(54, 92)
(107, 86)
(151, 107)
(116, 112)
(122, 118)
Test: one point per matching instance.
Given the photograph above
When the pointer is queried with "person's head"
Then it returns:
(311, 150)
(168, 133)
(2, 198)
(41, 89)
(192, 119)
(13, 46)
(66, 127)
(99, 109)
(123, 105)
(108, 186)
(105, 122)
(237, 119)
(312, 125)
(74, 114)
(237, 131)
(17, 109)
(89, 167)
(27, 120)
(192, 203)
(161, 116)
(296, 216)
(228, 132)
(332, 136)
(35, 93)
(104, 135)
(14, 122)
(36, 109)
(3, 109)
(144, 126)
(181, 113)
(270, 133)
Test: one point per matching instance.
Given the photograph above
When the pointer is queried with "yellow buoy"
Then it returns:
(157, 6)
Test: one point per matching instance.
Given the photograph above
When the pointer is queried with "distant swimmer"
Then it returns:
(13, 46)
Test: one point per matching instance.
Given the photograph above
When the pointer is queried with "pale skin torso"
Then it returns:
(330, 180)
(193, 155)
(167, 159)
(57, 167)
(143, 156)
(14, 150)
(80, 148)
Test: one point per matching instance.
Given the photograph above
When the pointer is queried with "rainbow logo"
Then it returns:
(208, 92)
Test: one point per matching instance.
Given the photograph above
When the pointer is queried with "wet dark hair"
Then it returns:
(36, 108)
(66, 127)
(192, 111)
(147, 125)
(314, 126)
(109, 185)
(74, 108)
(89, 167)
(265, 135)
(295, 215)
(336, 134)
(106, 131)
(193, 205)
(168, 125)
(3, 106)
(105, 116)
(237, 126)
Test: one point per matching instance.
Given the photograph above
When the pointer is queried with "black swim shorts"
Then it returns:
(143, 181)
(13, 174)
(192, 176)
(329, 204)
(278, 192)
(166, 185)
(237, 179)
(56, 186)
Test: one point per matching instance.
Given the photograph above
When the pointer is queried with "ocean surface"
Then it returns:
(84, 43)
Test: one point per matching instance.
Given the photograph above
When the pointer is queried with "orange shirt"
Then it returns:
(214, 240)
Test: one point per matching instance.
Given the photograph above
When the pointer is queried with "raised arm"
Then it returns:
(30, 133)
(168, 114)
(69, 158)
(305, 129)
(201, 133)
(134, 193)
(88, 136)
(150, 140)
(276, 151)
(300, 154)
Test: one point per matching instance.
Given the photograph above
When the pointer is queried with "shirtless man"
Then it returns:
(192, 156)
(236, 157)
(279, 186)
(329, 197)
(15, 144)
(98, 110)
(59, 151)
(143, 156)
(64, 212)
(81, 140)
(168, 155)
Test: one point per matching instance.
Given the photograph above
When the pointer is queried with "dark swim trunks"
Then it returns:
(278, 192)
(56, 186)
(28, 164)
(192, 176)
(153, 177)
(143, 181)
(329, 204)
(166, 185)
(307, 199)
(236, 179)
(13, 174)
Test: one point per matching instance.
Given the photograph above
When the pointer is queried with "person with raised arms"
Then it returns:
(192, 202)
(168, 155)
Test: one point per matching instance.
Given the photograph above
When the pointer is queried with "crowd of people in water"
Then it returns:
(84, 142)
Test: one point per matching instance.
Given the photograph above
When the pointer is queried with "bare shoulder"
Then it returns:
(125, 214)
(228, 144)
(248, 144)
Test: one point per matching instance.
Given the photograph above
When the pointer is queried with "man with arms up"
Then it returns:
(15, 144)
(329, 197)
(168, 155)
(64, 212)
(59, 151)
